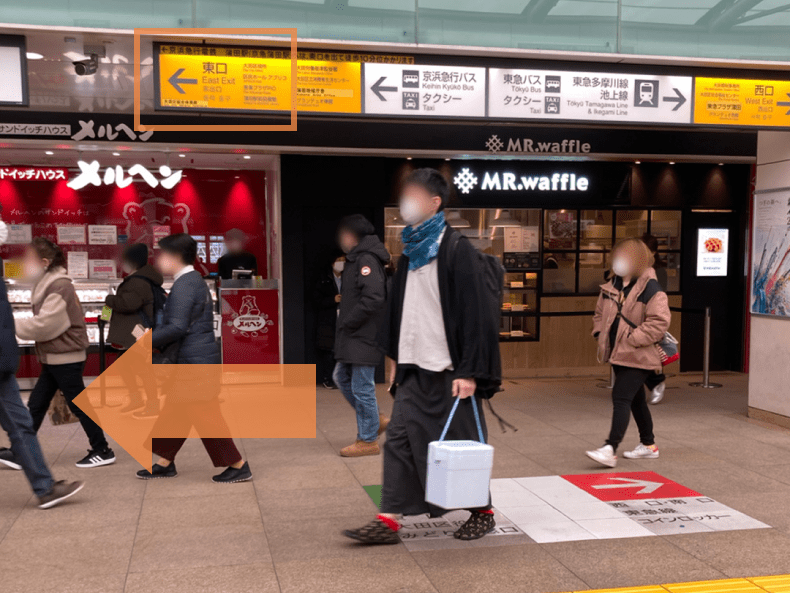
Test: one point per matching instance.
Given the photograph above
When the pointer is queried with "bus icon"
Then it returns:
(411, 79)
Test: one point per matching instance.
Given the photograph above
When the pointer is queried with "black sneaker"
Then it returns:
(61, 490)
(232, 475)
(158, 471)
(376, 532)
(97, 458)
(7, 458)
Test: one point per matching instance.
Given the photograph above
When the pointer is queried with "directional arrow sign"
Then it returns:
(629, 486)
(678, 98)
(177, 81)
(784, 104)
(204, 400)
(646, 487)
(378, 89)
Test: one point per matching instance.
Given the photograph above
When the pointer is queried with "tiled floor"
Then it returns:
(280, 533)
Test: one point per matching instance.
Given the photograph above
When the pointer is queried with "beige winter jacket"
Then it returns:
(633, 347)
(58, 324)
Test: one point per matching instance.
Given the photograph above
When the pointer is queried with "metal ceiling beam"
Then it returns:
(726, 14)
(537, 10)
(763, 13)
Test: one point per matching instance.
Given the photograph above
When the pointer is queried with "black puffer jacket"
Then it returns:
(134, 295)
(189, 317)
(9, 349)
(362, 303)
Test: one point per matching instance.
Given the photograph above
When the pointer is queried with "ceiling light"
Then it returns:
(116, 154)
(455, 220)
(504, 220)
(408, 158)
(31, 55)
(721, 164)
(637, 162)
(49, 152)
(182, 155)
(246, 156)
(446, 159)
(671, 162)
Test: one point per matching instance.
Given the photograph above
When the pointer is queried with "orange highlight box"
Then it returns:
(139, 127)
(251, 401)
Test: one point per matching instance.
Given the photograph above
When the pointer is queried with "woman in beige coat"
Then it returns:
(632, 295)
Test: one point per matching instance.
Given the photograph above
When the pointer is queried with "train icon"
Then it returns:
(645, 93)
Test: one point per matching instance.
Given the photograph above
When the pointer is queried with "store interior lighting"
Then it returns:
(504, 220)
(455, 220)
(394, 222)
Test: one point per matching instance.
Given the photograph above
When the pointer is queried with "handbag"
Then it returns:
(459, 472)
(668, 350)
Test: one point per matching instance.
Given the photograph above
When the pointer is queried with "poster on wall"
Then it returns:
(19, 234)
(771, 254)
(712, 248)
(71, 235)
(103, 269)
(102, 234)
(77, 264)
(159, 232)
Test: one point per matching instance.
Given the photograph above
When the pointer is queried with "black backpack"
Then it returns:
(160, 296)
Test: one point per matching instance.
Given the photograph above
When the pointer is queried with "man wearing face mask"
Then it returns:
(445, 346)
(132, 305)
(631, 317)
(362, 308)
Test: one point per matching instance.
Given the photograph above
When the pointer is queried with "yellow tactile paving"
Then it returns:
(722, 586)
(770, 584)
(775, 584)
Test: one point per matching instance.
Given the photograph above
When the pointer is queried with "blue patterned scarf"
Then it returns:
(421, 244)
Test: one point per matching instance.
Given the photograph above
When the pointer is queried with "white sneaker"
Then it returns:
(657, 393)
(605, 456)
(642, 452)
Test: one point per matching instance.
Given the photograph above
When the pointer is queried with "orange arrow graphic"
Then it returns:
(203, 400)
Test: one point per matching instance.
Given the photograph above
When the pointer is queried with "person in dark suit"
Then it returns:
(326, 298)
(189, 320)
(25, 452)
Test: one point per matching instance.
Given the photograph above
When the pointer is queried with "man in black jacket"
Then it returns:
(362, 310)
(445, 343)
(25, 452)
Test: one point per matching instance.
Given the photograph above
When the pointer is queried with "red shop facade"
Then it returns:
(94, 205)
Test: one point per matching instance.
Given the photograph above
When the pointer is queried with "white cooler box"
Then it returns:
(459, 474)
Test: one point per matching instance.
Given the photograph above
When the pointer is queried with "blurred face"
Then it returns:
(623, 263)
(234, 245)
(417, 204)
(33, 266)
(339, 265)
(347, 241)
(168, 264)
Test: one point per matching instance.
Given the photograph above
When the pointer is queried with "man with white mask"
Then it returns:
(445, 345)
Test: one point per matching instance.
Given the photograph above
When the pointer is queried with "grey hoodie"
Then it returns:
(58, 323)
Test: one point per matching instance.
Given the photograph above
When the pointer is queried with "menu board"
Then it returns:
(712, 251)
(102, 269)
(102, 234)
(771, 254)
(77, 264)
(71, 235)
(19, 234)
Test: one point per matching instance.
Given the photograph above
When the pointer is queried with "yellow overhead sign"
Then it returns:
(741, 102)
(203, 78)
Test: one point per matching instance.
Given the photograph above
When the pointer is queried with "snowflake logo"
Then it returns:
(465, 180)
(494, 144)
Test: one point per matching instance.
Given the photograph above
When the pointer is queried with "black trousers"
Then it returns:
(628, 397)
(325, 366)
(67, 378)
(422, 405)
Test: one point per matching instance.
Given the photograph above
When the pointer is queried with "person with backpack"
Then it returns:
(139, 299)
(631, 318)
(363, 295)
(442, 331)
(58, 329)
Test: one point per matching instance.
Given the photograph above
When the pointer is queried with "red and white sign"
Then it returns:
(34, 173)
(629, 486)
(250, 326)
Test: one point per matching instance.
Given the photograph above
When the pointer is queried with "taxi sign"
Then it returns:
(234, 79)
(742, 102)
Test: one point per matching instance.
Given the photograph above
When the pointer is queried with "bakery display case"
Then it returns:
(91, 294)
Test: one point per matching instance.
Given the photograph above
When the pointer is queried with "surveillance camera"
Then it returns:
(87, 67)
